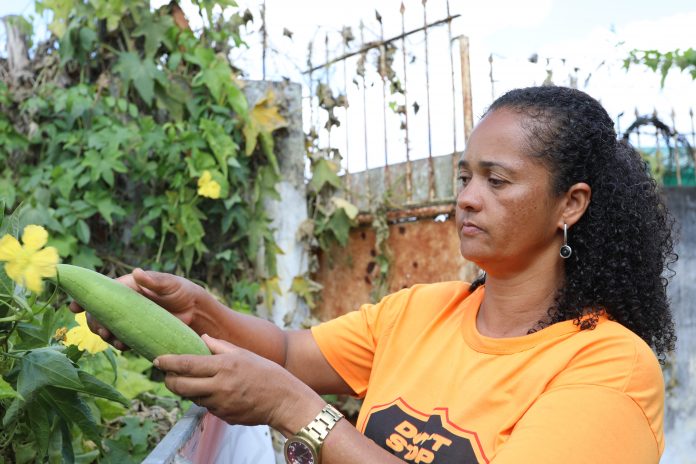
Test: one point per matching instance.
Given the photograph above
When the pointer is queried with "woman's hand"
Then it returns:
(241, 387)
(177, 295)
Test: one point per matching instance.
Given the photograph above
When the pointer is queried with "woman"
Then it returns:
(546, 359)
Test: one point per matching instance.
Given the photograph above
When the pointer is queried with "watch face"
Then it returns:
(299, 453)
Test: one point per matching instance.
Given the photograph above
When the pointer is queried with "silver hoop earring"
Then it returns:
(566, 251)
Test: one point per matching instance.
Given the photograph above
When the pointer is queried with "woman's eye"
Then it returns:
(463, 179)
(495, 182)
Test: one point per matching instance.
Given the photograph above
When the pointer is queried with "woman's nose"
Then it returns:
(468, 197)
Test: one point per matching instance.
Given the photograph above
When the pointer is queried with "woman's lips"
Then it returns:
(469, 228)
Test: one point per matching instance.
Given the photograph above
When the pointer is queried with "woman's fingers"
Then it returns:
(188, 365)
(191, 387)
(158, 282)
(217, 346)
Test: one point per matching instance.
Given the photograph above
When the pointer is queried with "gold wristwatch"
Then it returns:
(305, 446)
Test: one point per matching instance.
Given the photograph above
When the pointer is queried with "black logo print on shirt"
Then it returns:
(418, 438)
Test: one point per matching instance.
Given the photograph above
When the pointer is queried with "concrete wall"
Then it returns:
(680, 372)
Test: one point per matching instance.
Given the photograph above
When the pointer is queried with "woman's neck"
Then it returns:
(514, 304)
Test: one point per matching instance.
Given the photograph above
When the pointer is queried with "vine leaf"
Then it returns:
(154, 32)
(220, 143)
(72, 408)
(350, 209)
(44, 367)
(264, 118)
(6, 390)
(324, 173)
(140, 73)
(38, 421)
(95, 387)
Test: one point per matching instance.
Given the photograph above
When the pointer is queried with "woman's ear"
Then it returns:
(575, 203)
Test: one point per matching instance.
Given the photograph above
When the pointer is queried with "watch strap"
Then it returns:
(320, 427)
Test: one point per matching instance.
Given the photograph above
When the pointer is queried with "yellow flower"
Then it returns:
(84, 338)
(27, 264)
(207, 187)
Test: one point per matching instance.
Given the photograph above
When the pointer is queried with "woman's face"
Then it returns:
(506, 216)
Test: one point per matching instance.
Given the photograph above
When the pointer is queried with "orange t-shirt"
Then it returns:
(436, 391)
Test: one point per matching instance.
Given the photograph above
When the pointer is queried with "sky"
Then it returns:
(588, 39)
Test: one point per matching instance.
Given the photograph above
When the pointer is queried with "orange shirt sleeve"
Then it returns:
(349, 342)
(581, 424)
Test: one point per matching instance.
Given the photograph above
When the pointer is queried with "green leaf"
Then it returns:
(340, 225)
(154, 29)
(137, 431)
(6, 390)
(350, 209)
(103, 201)
(87, 258)
(111, 357)
(72, 408)
(217, 77)
(119, 452)
(95, 387)
(44, 367)
(324, 172)
(141, 73)
(40, 426)
(82, 230)
(109, 410)
(31, 336)
(220, 143)
(12, 411)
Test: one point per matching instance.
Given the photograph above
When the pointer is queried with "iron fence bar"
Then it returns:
(326, 78)
(409, 166)
(431, 167)
(638, 131)
(364, 92)
(311, 91)
(383, 74)
(466, 86)
(658, 153)
(264, 39)
(454, 105)
(676, 148)
(693, 137)
(345, 110)
(371, 45)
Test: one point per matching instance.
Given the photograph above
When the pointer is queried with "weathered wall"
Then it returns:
(680, 373)
(423, 251)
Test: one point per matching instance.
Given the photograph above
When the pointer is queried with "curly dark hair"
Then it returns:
(623, 244)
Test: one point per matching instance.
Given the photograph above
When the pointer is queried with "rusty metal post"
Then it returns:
(409, 166)
(264, 40)
(364, 92)
(311, 82)
(676, 149)
(693, 137)
(490, 75)
(345, 110)
(326, 77)
(383, 75)
(658, 153)
(431, 166)
(635, 112)
(454, 105)
(466, 86)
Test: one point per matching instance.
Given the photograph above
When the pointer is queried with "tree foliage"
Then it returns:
(664, 62)
(125, 111)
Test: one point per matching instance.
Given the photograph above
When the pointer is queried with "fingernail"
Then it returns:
(156, 362)
(103, 333)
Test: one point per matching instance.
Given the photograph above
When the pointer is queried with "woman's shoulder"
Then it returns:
(612, 356)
